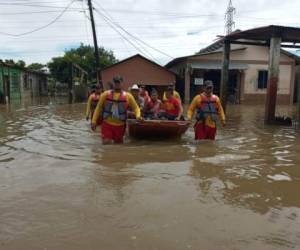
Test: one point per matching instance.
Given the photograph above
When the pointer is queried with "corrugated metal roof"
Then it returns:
(288, 34)
(218, 65)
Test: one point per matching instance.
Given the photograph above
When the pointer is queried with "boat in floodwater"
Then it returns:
(150, 129)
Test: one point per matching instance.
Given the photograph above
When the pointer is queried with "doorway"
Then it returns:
(6, 89)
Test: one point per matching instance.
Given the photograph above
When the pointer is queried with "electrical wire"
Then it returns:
(32, 12)
(116, 30)
(135, 37)
(42, 27)
(110, 19)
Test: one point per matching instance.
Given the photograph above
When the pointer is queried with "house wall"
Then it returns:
(256, 58)
(17, 88)
(13, 77)
(297, 84)
(36, 85)
(138, 71)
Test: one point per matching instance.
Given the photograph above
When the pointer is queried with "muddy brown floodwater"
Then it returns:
(61, 189)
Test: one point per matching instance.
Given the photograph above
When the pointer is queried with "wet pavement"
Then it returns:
(61, 189)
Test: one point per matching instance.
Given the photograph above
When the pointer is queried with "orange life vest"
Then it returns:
(94, 102)
(116, 108)
(207, 107)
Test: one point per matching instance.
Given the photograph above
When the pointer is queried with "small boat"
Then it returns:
(151, 129)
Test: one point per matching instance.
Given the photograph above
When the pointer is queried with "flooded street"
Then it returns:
(61, 189)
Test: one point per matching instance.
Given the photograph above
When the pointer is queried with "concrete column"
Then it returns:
(273, 79)
(187, 85)
(225, 74)
(242, 90)
(298, 100)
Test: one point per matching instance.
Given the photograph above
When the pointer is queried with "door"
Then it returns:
(6, 88)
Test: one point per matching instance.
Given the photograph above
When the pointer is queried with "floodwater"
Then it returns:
(61, 189)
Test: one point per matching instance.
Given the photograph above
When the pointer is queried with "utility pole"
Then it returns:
(95, 41)
(229, 18)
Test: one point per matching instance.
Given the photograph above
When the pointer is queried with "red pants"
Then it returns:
(203, 132)
(112, 132)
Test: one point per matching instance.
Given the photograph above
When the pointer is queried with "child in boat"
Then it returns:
(152, 108)
(172, 106)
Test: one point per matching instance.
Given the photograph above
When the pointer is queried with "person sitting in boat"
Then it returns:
(209, 110)
(134, 90)
(172, 106)
(93, 101)
(152, 108)
(112, 107)
(144, 93)
(175, 93)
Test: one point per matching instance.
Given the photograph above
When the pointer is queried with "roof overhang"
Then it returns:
(287, 34)
(218, 65)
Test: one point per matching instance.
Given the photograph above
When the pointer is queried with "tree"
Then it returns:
(10, 61)
(21, 63)
(36, 67)
(84, 57)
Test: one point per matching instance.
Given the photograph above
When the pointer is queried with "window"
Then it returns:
(262, 82)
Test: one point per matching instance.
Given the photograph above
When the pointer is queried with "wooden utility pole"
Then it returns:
(273, 79)
(95, 42)
(225, 74)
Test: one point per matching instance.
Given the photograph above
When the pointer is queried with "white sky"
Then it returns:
(176, 27)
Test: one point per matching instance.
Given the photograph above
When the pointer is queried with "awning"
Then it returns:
(218, 65)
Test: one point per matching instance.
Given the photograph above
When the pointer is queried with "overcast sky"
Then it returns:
(174, 27)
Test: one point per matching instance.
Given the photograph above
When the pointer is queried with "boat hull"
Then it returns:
(151, 129)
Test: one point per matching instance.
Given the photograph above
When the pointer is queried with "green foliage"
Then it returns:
(36, 67)
(82, 56)
(19, 63)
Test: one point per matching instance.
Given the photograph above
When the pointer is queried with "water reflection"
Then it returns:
(165, 195)
(258, 171)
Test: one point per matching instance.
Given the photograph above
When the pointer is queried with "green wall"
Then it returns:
(14, 81)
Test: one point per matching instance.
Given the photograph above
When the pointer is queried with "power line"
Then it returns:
(112, 21)
(117, 48)
(135, 37)
(36, 5)
(116, 30)
(33, 12)
(86, 25)
(123, 40)
(42, 27)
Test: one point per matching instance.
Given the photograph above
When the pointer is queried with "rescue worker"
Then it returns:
(92, 102)
(134, 90)
(208, 110)
(175, 93)
(112, 107)
(153, 107)
(172, 106)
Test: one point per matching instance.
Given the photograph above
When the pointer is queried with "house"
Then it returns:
(139, 70)
(17, 83)
(248, 73)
